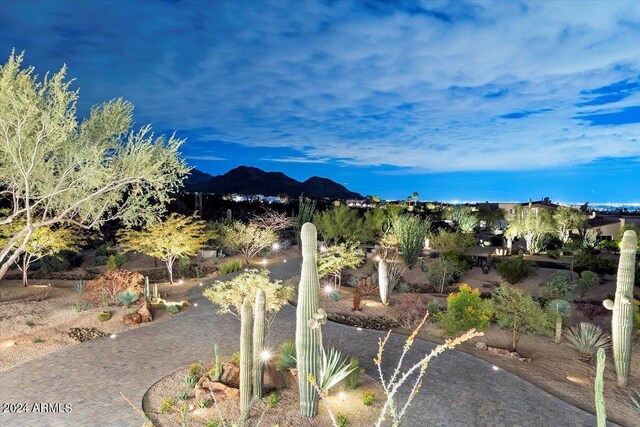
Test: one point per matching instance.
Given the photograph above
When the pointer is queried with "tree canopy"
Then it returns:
(534, 225)
(247, 239)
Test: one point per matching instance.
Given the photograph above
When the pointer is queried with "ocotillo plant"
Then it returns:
(258, 342)
(383, 281)
(601, 411)
(308, 340)
(246, 318)
(218, 375)
(622, 319)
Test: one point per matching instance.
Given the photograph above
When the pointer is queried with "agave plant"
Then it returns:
(334, 369)
(587, 338)
(635, 401)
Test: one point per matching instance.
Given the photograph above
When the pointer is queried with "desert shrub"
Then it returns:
(173, 309)
(287, 355)
(608, 246)
(342, 420)
(559, 284)
(191, 380)
(114, 282)
(443, 272)
(101, 260)
(104, 316)
(433, 307)
(54, 263)
(584, 261)
(37, 340)
(214, 423)
(195, 368)
(591, 311)
(453, 245)
(403, 287)
(115, 262)
(553, 253)
(515, 269)
(235, 359)
(203, 403)
(81, 306)
(518, 311)
(368, 397)
(127, 297)
(465, 310)
(587, 338)
(106, 250)
(231, 266)
(409, 312)
(273, 399)
(166, 405)
(587, 280)
(333, 369)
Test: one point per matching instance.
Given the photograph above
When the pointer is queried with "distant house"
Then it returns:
(607, 226)
(535, 205)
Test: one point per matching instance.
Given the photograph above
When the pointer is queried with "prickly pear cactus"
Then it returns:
(258, 342)
(622, 319)
(308, 338)
(246, 317)
(383, 281)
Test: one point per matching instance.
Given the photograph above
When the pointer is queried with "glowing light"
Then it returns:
(323, 248)
(275, 246)
(265, 355)
(342, 396)
(328, 289)
(284, 260)
(359, 329)
(378, 258)
(112, 336)
(495, 368)
(200, 284)
(264, 262)
(577, 380)
(180, 282)
(191, 407)
(195, 304)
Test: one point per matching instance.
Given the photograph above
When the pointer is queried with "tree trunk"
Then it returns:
(26, 259)
(16, 253)
(513, 338)
(170, 269)
(558, 328)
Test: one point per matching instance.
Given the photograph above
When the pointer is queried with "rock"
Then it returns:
(202, 394)
(230, 375)
(499, 351)
(85, 334)
(145, 311)
(232, 394)
(131, 319)
(273, 379)
(481, 345)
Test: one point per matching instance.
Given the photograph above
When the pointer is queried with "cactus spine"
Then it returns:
(258, 342)
(622, 319)
(383, 281)
(246, 317)
(601, 411)
(218, 376)
(308, 341)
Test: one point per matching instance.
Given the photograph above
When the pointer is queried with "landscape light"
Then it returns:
(180, 282)
(342, 396)
(264, 262)
(323, 248)
(359, 329)
(112, 336)
(275, 246)
(200, 284)
(328, 289)
(495, 368)
(284, 260)
(378, 258)
(195, 304)
(265, 355)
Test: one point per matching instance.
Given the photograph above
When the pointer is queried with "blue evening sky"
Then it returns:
(456, 100)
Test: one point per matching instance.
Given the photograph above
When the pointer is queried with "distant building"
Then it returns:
(536, 205)
(609, 225)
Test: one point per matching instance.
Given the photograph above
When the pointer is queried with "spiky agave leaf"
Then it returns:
(588, 338)
(334, 369)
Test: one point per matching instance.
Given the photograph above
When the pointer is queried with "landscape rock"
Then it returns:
(230, 375)
(145, 311)
(85, 334)
(481, 345)
(131, 319)
(507, 353)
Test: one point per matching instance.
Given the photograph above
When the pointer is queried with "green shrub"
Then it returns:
(115, 262)
(195, 368)
(403, 287)
(53, 263)
(127, 297)
(368, 397)
(287, 355)
(559, 284)
(453, 245)
(235, 358)
(203, 403)
(79, 307)
(433, 307)
(213, 423)
(183, 395)
(465, 310)
(515, 269)
(191, 380)
(173, 309)
(587, 338)
(30, 323)
(587, 280)
(106, 250)
(37, 340)
(443, 272)
(585, 261)
(101, 260)
(231, 266)
(166, 406)
(411, 232)
(103, 316)
(342, 420)
(273, 399)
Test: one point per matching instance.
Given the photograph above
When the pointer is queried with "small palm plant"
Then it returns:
(559, 308)
(588, 338)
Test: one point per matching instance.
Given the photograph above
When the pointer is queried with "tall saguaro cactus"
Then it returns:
(246, 317)
(383, 281)
(258, 342)
(622, 319)
(308, 340)
(601, 411)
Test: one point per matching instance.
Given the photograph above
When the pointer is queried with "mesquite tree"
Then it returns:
(56, 170)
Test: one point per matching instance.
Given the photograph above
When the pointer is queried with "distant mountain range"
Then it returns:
(249, 180)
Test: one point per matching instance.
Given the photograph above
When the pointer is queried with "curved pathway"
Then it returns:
(459, 389)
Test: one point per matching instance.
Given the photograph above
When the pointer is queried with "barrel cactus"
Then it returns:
(246, 317)
(258, 342)
(383, 281)
(308, 338)
(622, 319)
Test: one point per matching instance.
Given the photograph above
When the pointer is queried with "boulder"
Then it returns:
(230, 375)
(273, 379)
(131, 319)
(145, 311)
(481, 345)
(499, 351)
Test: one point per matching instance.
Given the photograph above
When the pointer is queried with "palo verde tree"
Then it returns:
(534, 225)
(335, 258)
(248, 239)
(464, 217)
(175, 237)
(44, 241)
(56, 170)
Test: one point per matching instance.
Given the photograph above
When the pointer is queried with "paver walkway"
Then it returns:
(459, 389)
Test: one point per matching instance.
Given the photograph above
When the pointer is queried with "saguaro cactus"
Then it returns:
(218, 374)
(246, 317)
(229, 218)
(147, 291)
(622, 319)
(308, 341)
(258, 342)
(601, 411)
(383, 281)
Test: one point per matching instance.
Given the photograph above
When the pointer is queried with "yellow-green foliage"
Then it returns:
(230, 266)
(333, 259)
(195, 368)
(248, 239)
(368, 397)
(167, 405)
(230, 294)
(465, 310)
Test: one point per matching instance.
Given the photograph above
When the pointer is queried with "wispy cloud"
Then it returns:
(212, 158)
(418, 86)
(294, 160)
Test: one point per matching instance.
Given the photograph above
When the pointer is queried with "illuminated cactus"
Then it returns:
(229, 216)
(308, 340)
(622, 319)
(147, 290)
(218, 374)
(258, 342)
(383, 281)
(601, 411)
(246, 317)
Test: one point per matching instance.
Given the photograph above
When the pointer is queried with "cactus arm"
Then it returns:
(246, 318)
(601, 411)
(608, 304)
(258, 342)
(308, 340)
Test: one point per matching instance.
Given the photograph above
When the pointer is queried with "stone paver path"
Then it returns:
(459, 390)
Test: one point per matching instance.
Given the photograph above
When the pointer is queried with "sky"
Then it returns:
(456, 100)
